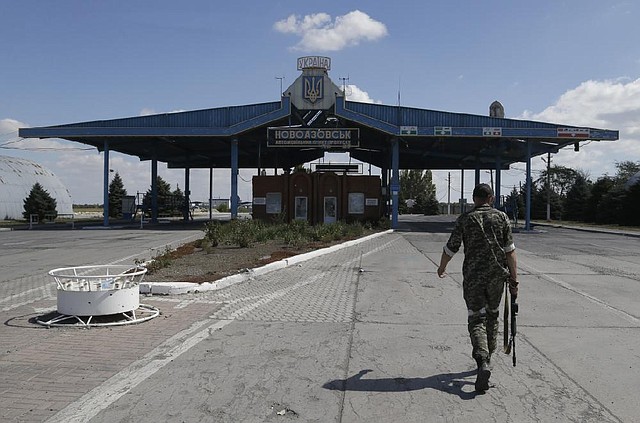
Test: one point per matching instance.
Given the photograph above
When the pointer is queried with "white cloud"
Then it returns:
(147, 111)
(356, 94)
(8, 126)
(319, 33)
(609, 104)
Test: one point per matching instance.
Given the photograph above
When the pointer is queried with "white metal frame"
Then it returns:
(110, 291)
(144, 312)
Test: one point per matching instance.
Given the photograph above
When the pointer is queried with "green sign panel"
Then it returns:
(442, 131)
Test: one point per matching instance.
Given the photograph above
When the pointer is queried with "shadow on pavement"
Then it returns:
(451, 383)
(433, 227)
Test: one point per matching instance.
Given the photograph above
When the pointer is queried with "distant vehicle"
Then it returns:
(197, 205)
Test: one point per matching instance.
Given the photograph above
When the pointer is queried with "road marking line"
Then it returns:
(96, 400)
(626, 316)
(45, 294)
(101, 397)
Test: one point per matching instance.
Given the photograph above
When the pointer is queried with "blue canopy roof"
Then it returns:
(429, 139)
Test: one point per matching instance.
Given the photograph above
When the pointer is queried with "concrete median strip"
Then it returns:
(176, 288)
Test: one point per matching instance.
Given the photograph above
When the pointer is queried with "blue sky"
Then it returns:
(575, 62)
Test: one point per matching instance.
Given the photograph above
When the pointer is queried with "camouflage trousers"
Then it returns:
(482, 296)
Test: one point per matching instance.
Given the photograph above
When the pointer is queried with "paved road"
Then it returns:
(27, 256)
(368, 333)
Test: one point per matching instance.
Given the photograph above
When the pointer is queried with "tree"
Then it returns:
(39, 202)
(116, 193)
(179, 200)
(539, 203)
(169, 202)
(418, 185)
(626, 170)
(609, 200)
(412, 182)
(575, 203)
(426, 203)
(630, 215)
(301, 168)
(403, 208)
(560, 178)
(628, 195)
(551, 187)
(616, 204)
(599, 189)
(610, 207)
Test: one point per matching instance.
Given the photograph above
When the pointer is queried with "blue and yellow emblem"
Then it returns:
(313, 88)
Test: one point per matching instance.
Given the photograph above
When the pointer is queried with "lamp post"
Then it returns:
(280, 78)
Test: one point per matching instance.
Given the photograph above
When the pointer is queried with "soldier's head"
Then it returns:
(482, 194)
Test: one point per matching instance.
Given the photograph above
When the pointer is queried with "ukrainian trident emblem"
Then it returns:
(313, 88)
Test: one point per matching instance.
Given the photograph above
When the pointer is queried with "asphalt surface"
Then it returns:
(365, 333)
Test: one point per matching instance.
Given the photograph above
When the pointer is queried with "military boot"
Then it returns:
(482, 378)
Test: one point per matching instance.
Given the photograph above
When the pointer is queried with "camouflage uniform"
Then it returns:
(486, 234)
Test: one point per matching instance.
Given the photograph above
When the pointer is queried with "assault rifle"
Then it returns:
(510, 339)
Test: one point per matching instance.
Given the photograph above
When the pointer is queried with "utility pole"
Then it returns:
(344, 86)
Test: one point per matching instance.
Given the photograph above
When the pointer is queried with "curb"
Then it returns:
(176, 288)
(590, 229)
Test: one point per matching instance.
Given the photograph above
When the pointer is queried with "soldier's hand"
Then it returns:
(442, 272)
(513, 287)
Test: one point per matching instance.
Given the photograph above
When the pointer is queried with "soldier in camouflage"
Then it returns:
(489, 261)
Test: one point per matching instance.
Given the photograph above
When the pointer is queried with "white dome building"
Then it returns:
(17, 177)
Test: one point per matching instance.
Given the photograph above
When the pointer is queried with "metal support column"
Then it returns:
(187, 191)
(234, 178)
(385, 190)
(105, 196)
(477, 176)
(395, 181)
(527, 207)
(154, 189)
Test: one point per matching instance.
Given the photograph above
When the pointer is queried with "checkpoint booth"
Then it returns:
(318, 197)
